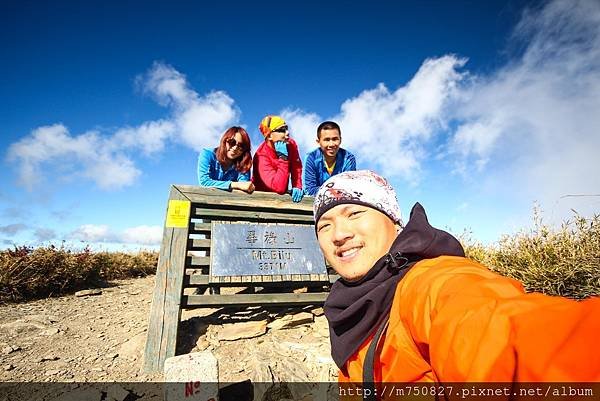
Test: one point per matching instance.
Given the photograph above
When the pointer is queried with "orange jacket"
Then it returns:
(453, 320)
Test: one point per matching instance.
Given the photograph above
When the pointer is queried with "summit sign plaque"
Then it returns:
(246, 249)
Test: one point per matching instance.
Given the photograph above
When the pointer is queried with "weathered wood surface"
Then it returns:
(165, 310)
(252, 215)
(254, 299)
(213, 196)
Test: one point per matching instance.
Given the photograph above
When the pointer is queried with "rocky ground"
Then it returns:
(100, 337)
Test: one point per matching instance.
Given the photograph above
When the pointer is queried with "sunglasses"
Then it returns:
(281, 129)
(233, 143)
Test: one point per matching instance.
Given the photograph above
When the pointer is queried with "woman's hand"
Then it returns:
(246, 186)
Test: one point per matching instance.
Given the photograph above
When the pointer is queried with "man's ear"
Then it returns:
(317, 141)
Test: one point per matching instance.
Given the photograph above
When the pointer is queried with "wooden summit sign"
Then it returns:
(248, 249)
(263, 243)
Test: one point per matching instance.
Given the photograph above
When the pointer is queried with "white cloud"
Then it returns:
(92, 233)
(389, 130)
(143, 235)
(139, 235)
(532, 126)
(108, 160)
(200, 120)
(303, 128)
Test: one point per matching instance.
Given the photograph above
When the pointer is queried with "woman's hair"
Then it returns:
(244, 161)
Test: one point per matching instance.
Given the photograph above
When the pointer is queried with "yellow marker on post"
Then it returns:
(178, 213)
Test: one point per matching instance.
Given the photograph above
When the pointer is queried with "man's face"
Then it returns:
(329, 142)
(353, 237)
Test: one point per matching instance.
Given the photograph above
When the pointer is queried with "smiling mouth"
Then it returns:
(349, 253)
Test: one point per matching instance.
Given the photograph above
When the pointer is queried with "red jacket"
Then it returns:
(271, 174)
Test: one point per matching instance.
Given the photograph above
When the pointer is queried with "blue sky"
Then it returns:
(476, 109)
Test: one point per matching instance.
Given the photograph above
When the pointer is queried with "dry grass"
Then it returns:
(563, 261)
(28, 273)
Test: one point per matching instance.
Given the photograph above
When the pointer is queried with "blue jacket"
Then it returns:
(211, 173)
(315, 171)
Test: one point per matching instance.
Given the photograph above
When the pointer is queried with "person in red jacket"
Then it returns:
(277, 160)
(409, 307)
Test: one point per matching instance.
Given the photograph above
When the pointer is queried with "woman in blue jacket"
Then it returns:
(228, 166)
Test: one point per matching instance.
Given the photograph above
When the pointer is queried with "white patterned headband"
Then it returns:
(362, 187)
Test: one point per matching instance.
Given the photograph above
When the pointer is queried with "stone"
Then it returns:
(22, 327)
(52, 372)
(49, 358)
(50, 332)
(8, 350)
(290, 321)
(8, 367)
(85, 293)
(132, 348)
(236, 331)
(116, 393)
(191, 377)
(318, 311)
(202, 344)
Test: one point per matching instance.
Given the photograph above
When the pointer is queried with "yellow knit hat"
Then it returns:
(269, 123)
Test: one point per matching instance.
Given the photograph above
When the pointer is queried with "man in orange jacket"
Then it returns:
(409, 307)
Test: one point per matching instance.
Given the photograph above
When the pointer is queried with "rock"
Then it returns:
(52, 372)
(318, 311)
(84, 293)
(50, 332)
(132, 348)
(202, 344)
(9, 349)
(8, 367)
(290, 321)
(21, 326)
(116, 393)
(49, 358)
(191, 377)
(236, 331)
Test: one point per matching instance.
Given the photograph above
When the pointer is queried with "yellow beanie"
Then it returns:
(269, 123)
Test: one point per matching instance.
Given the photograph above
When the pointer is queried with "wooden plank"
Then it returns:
(236, 279)
(165, 310)
(199, 244)
(257, 279)
(296, 277)
(315, 298)
(252, 215)
(277, 277)
(213, 196)
(194, 261)
(196, 279)
(200, 228)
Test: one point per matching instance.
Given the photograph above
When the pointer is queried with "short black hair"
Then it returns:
(328, 125)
